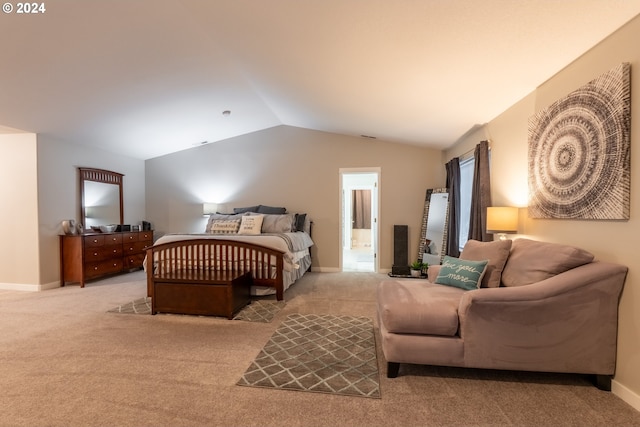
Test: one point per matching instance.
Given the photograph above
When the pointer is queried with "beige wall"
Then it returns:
(298, 169)
(609, 240)
(19, 213)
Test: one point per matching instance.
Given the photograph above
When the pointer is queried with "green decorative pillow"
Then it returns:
(461, 273)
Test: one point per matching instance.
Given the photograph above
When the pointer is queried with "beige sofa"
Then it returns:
(539, 307)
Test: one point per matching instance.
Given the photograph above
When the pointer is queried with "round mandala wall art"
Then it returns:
(579, 155)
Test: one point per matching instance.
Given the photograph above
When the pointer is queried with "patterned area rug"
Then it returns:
(139, 306)
(257, 311)
(319, 353)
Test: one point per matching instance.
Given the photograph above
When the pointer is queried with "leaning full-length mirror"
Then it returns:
(433, 234)
(100, 197)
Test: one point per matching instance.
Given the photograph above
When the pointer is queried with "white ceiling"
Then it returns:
(146, 77)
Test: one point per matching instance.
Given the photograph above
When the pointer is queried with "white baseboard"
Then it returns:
(25, 287)
(625, 394)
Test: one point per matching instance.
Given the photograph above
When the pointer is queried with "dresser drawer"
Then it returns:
(98, 253)
(133, 261)
(93, 241)
(130, 237)
(135, 247)
(95, 269)
(145, 236)
(113, 239)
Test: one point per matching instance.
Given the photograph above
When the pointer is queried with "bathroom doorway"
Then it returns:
(359, 212)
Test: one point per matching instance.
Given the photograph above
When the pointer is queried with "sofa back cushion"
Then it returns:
(495, 252)
(531, 261)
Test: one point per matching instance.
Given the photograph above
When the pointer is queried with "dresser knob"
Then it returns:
(95, 240)
(95, 254)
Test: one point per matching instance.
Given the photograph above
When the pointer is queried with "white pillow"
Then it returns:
(225, 226)
(217, 217)
(251, 224)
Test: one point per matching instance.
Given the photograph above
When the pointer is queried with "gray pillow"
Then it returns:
(270, 210)
(276, 223)
(246, 209)
(300, 220)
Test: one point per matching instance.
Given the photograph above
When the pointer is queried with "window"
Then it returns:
(466, 188)
(467, 168)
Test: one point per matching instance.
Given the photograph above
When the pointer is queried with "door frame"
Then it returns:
(375, 210)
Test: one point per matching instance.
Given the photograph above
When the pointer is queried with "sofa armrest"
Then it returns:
(568, 319)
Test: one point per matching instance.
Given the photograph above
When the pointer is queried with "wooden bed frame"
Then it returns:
(196, 262)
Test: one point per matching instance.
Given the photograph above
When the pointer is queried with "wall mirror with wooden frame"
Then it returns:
(100, 198)
(433, 234)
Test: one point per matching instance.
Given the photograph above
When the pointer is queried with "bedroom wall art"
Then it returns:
(579, 152)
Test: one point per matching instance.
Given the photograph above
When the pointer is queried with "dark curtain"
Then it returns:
(361, 208)
(453, 186)
(481, 194)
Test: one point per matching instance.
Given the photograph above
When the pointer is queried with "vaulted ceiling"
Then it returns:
(146, 77)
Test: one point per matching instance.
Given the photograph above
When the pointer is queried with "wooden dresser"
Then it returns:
(92, 255)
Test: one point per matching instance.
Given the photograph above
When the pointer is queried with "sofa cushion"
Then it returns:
(531, 261)
(461, 273)
(495, 252)
(419, 307)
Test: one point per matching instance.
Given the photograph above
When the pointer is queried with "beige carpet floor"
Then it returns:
(65, 361)
(259, 310)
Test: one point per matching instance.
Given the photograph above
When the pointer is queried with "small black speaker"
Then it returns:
(400, 250)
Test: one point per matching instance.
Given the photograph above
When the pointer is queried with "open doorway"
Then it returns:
(359, 193)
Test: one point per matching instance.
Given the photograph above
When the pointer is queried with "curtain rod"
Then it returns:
(468, 153)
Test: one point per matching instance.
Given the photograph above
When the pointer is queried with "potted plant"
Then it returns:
(416, 268)
(425, 268)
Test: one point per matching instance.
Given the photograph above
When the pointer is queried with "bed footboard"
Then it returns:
(197, 258)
